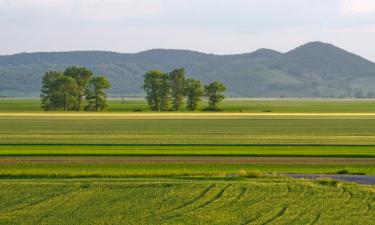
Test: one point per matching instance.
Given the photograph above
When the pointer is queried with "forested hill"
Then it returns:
(312, 70)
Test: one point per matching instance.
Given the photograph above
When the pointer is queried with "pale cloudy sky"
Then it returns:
(212, 26)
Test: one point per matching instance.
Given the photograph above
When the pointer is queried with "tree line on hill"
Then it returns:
(77, 89)
(169, 91)
(74, 89)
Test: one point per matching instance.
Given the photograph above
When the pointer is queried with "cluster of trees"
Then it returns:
(74, 89)
(170, 91)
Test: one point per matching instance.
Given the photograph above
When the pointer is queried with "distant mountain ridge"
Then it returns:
(314, 69)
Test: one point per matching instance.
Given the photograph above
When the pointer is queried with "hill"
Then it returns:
(315, 69)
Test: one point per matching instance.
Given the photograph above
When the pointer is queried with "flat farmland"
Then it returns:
(184, 201)
(231, 167)
(159, 135)
(187, 129)
(228, 105)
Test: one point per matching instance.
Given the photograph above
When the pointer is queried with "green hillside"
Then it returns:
(313, 70)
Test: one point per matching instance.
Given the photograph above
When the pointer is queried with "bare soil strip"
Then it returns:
(198, 160)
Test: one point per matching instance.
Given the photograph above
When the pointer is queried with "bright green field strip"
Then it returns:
(253, 201)
(290, 130)
(283, 151)
(229, 105)
(169, 169)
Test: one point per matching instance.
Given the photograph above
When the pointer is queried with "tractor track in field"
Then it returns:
(215, 198)
(316, 219)
(200, 196)
(278, 215)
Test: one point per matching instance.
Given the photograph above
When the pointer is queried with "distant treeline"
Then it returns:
(75, 89)
(173, 91)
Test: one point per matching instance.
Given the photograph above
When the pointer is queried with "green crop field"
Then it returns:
(181, 201)
(177, 129)
(229, 105)
(50, 169)
(127, 167)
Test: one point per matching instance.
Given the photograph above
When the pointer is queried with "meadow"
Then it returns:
(132, 166)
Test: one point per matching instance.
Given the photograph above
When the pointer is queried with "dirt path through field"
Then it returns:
(167, 159)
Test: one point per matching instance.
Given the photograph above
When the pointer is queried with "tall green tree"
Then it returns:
(194, 92)
(82, 76)
(157, 88)
(66, 88)
(95, 94)
(50, 97)
(177, 78)
(214, 92)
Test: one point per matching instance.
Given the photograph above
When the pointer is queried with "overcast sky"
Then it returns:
(212, 26)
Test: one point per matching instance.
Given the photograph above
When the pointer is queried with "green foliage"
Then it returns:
(65, 91)
(214, 93)
(157, 88)
(82, 76)
(58, 92)
(95, 94)
(177, 77)
(194, 92)
(49, 95)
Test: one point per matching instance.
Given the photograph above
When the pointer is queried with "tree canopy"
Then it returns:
(157, 90)
(177, 80)
(95, 94)
(67, 90)
(214, 93)
(194, 92)
(169, 91)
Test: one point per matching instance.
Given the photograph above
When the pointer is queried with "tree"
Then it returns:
(157, 88)
(50, 96)
(82, 76)
(95, 94)
(214, 93)
(194, 92)
(66, 92)
(177, 78)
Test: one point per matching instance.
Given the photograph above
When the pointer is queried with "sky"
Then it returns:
(211, 26)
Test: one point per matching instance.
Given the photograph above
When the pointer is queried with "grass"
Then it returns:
(171, 201)
(69, 170)
(184, 130)
(229, 105)
(187, 150)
